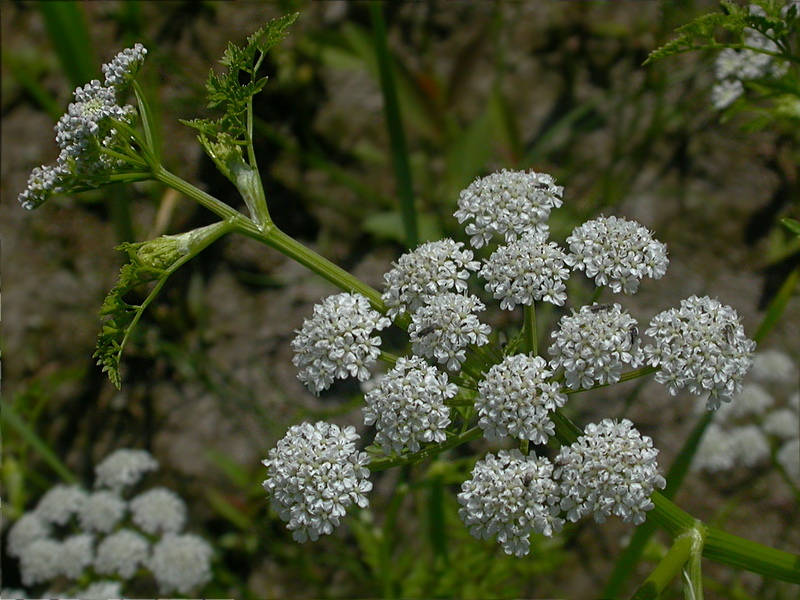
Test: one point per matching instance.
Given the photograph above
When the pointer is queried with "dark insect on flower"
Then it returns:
(730, 333)
(526, 481)
(428, 330)
(634, 334)
(596, 308)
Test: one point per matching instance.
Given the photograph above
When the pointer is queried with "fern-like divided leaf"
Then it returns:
(233, 90)
(122, 315)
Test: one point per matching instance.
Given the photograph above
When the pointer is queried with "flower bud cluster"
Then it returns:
(74, 534)
(700, 346)
(85, 134)
(314, 475)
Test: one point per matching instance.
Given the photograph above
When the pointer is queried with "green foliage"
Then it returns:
(150, 261)
(735, 19)
(229, 92)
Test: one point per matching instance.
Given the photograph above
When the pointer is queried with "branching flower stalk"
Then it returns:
(456, 385)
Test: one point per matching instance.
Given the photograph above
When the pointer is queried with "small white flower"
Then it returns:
(41, 561)
(77, 553)
(515, 399)
(446, 326)
(123, 67)
(123, 468)
(29, 528)
(507, 204)
(101, 590)
(616, 252)
(774, 366)
(594, 344)
(122, 553)
(430, 269)
(700, 346)
(315, 474)
(509, 497)
(181, 563)
(337, 341)
(716, 451)
(750, 445)
(408, 406)
(753, 400)
(725, 93)
(60, 503)
(789, 458)
(610, 469)
(525, 270)
(158, 509)
(102, 510)
(782, 423)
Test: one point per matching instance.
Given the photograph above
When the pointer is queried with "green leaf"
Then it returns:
(792, 225)
(228, 91)
(150, 261)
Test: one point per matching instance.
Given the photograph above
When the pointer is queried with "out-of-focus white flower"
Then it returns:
(181, 563)
(124, 468)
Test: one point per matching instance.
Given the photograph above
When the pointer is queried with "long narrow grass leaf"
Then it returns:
(9, 416)
(394, 123)
(69, 34)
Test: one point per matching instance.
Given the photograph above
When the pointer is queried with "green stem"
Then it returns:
(666, 570)
(531, 338)
(395, 461)
(219, 208)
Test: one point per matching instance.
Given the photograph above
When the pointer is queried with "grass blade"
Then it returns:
(69, 34)
(394, 123)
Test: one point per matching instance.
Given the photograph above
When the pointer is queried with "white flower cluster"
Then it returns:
(732, 67)
(510, 496)
(507, 204)
(84, 134)
(337, 341)
(431, 269)
(525, 270)
(700, 346)
(610, 469)
(408, 406)
(444, 327)
(593, 344)
(516, 399)
(315, 473)
(745, 429)
(616, 252)
(108, 535)
(123, 67)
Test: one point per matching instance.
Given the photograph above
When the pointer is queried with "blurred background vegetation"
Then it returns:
(208, 384)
